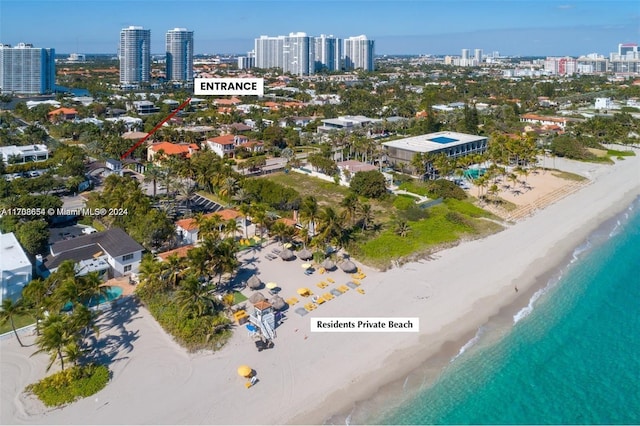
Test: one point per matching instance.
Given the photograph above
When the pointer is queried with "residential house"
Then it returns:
(171, 149)
(62, 114)
(13, 154)
(112, 253)
(15, 267)
(544, 121)
(225, 145)
(187, 229)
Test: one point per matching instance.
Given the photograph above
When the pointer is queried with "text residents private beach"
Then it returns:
(310, 377)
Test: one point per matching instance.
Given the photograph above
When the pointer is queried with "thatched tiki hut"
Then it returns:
(348, 266)
(287, 254)
(254, 282)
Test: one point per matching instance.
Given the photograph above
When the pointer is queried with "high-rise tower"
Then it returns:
(179, 44)
(135, 55)
(27, 69)
(358, 53)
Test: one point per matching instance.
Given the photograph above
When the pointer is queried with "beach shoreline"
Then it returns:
(311, 377)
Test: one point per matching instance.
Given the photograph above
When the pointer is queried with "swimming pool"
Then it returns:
(111, 293)
(474, 173)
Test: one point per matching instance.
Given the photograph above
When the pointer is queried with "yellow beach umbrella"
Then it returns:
(245, 370)
(287, 245)
(271, 285)
(305, 266)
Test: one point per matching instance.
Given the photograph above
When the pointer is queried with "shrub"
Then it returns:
(369, 184)
(443, 188)
(404, 202)
(68, 385)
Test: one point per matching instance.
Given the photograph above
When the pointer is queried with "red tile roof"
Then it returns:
(190, 223)
(174, 148)
(180, 252)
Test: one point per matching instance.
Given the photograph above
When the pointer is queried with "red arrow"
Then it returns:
(141, 141)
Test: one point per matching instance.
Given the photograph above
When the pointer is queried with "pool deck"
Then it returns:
(123, 283)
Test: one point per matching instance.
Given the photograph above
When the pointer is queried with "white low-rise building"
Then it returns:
(15, 267)
(13, 154)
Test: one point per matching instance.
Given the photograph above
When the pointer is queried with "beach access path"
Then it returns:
(308, 377)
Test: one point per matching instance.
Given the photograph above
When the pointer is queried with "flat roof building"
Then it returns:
(15, 267)
(135, 55)
(452, 144)
(13, 154)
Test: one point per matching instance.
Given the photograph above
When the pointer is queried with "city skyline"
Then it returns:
(523, 28)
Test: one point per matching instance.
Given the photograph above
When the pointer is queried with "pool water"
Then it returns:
(474, 173)
(111, 293)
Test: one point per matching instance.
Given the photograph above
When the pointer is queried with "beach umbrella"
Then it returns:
(287, 254)
(254, 282)
(257, 297)
(305, 254)
(287, 245)
(245, 371)
(278, 302)
(306, 265)
(348, 266)
(271, 285)
(328, 264)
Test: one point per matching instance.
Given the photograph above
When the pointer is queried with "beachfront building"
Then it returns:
(179, 45)
(15, 267)
(25, 69)
(226, 145)
(112, 253)
(135, 55)
(327, 53)
(560, 122)
(13, 154)
(452, 144)
(187, 229)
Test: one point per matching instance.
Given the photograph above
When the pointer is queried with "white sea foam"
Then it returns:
(470, 343)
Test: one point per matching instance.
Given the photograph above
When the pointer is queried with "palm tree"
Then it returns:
(245, 209)
(153, 174)
(192, 296)
(10, 309)
(366, 215)
(309, 213)
(402, 228)
(330, 225)
(351, 205)
(229, 188)
(55, 336)
(172, 270)
(35, 295)
(279, 230)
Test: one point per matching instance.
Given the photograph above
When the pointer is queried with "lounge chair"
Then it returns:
(328, 296)
(331, 280)
(359, 290)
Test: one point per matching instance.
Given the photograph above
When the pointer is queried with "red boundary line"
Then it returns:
(141, 141)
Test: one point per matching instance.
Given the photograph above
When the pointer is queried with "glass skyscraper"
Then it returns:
(135, 55)
(179, 45)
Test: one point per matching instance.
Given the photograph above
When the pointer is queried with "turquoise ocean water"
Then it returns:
(571, 357)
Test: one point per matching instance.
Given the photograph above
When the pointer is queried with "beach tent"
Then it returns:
(254, 282)
(328, 264)
(287, 254)
(348, 266)
(305, 254)
(257, 297)
(278, 302)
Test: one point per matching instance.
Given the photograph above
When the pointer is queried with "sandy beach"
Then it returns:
(309, 377)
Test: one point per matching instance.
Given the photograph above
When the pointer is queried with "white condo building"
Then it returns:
(268, 51)
(15, 268)
(328, 53)
(358, 53)
(26, 69)
(179, 48)
(297, 54)
(135, 55)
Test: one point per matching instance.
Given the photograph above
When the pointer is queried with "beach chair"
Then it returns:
(321, 271)
(356, 282)
(328, 296)
(331, 280)
(343, 289)
(359, 290)
(320, 300)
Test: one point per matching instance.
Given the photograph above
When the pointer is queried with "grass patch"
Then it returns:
(19, 321)
(466, 208)
(443, 226)
(71, 384)
(327, 193)
(568, 176)
(618, 153)
(238, 297)
(212, 197)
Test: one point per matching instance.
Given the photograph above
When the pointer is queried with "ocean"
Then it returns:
(572, 356)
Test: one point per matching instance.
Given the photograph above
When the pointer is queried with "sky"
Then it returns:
(438, 27)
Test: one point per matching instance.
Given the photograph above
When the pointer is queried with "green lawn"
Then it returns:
(238, 297)
(19, 320)
(327, 193)
(444, 225)
(617, 153)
